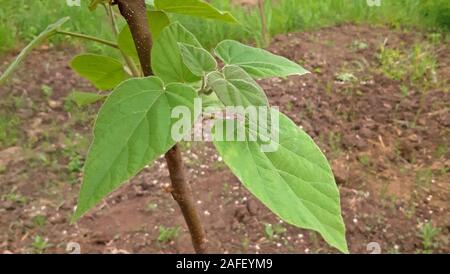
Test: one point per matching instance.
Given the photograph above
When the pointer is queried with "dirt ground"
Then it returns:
(387, 139)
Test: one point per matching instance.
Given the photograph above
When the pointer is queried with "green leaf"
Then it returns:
(235, 87)
(257, 62)
(94, 3)
(82, 98)
(126, 43)
(104, 72)
(295, 181)
(198, 60)
(195, 8)
(211, 103)
(133, 129)
(43, 36)
(167, 62)
(158, 20)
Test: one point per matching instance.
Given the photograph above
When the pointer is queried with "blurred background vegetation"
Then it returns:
(21, 20)
(380, 111)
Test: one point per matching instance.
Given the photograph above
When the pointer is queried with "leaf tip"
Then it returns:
(76, 216)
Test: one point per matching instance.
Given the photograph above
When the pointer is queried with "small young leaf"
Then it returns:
(157, 20)
(235, 87)
(104, 72)
(295, 181)
(198, 60)
(133, 129)
(167, 62)
(257, 62)
(195, 8)
(85, 98)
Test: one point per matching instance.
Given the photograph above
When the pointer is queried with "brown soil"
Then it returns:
(390, 154)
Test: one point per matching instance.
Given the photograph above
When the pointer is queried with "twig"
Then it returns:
(88, 37)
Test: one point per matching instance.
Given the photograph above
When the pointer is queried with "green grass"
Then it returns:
(40, 244)
(21, 20)
(9, 132)
(168, 234)
(429, 234)
(296, 15)
(416, 64)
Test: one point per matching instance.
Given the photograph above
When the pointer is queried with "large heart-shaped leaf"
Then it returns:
(257, 62)
(235, 87)
(157, 21)
(167, 62)
(198, 60)
(133, 128)
(104, 72)
(295, 181)
(195, 8)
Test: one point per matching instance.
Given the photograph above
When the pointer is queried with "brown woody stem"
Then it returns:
(182, 193)
(134, 70)
(134, 12)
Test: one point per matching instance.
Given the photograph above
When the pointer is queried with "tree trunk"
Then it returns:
(134, 12)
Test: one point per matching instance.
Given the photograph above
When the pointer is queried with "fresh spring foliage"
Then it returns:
(133, 127)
